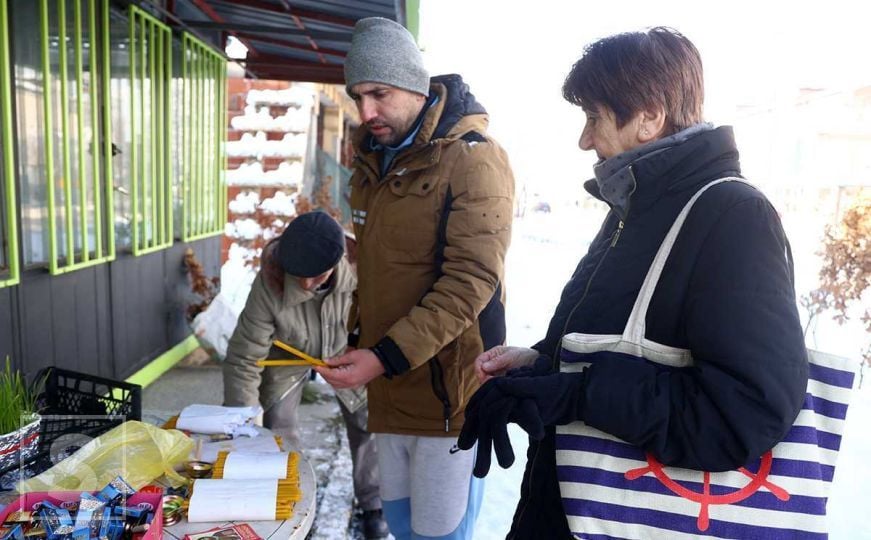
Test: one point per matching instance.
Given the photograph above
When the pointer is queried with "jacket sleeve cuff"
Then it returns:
(395, 363)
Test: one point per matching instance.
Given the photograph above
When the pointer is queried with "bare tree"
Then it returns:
(203, 287)
(845, 276)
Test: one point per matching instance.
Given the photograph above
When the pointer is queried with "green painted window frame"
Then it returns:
(151, 72)
(204, 188)
(70, 263)
(9, 275)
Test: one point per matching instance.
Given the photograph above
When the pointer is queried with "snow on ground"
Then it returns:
(544, 252)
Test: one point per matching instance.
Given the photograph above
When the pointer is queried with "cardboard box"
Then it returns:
(149, 495)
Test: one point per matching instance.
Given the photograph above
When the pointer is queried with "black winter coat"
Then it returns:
(726, 294)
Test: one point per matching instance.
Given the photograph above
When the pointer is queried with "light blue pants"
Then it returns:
(427, 487)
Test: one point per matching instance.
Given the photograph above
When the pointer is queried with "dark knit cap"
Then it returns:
(312, 244)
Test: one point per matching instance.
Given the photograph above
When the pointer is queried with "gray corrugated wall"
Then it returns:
(109, 320)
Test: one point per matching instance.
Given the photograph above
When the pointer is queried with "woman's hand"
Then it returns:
(498, 360)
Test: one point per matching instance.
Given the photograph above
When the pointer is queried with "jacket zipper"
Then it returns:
(440, 390)
(615, 236)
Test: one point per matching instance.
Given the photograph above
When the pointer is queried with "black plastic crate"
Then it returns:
(80, 400)
(75, 408)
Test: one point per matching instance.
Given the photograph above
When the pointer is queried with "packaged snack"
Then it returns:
(34, 532)
(105, 521)
(89, 516)
(57, 521)
(112, 528)
(12, 532)
(138, 514)
(115, 491)
(21, 516)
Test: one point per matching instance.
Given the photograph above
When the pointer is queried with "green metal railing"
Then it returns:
(150, 117)
(79, 211)
(8, 230)
(204, 191)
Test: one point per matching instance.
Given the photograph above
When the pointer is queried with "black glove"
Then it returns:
(530, 402)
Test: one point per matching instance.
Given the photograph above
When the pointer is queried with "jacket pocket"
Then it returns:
(411, 403)
(409, 221)
(407, 244)
(440, 389)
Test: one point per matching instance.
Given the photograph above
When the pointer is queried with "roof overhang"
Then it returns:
(298, 40)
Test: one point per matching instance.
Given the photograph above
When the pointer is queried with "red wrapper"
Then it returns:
(242, 531)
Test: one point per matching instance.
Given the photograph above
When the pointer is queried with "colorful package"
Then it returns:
(242, 531)
(115, 491)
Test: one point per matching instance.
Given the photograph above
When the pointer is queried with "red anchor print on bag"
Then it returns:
(705, 499)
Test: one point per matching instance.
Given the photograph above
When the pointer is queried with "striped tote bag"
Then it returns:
(611, 489)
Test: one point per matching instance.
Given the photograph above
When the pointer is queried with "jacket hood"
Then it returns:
(459, 102)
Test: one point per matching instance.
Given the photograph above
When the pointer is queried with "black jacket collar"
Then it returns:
(687, 166)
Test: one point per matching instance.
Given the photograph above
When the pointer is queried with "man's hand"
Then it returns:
(498, 360)
(531, 402)
(353, 369)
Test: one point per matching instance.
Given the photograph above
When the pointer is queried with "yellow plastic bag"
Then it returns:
(138, 452)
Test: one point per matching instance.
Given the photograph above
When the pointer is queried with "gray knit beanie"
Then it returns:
(383, 51)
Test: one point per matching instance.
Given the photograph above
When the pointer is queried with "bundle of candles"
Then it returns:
(248, 500)
(246, 486)
(257, 465)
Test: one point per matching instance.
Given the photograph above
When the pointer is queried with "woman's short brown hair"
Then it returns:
(640, 71)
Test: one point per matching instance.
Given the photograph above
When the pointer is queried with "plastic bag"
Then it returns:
(138, 452)
(214, 327)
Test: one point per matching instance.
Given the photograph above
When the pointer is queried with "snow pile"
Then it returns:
(246, 229)
(252, 174)
(260, 119)
(237, 275)
(296, 96)
(280, 204)
(291, 145)
(245, 203)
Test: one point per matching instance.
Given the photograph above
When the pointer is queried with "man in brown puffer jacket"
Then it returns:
(431, 200)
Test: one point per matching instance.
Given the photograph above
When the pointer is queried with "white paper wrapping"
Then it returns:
(228, 500)
(256, 465)
(211, 419)
(209, 450)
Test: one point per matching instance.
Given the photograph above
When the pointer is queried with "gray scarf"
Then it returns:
(615, 177)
